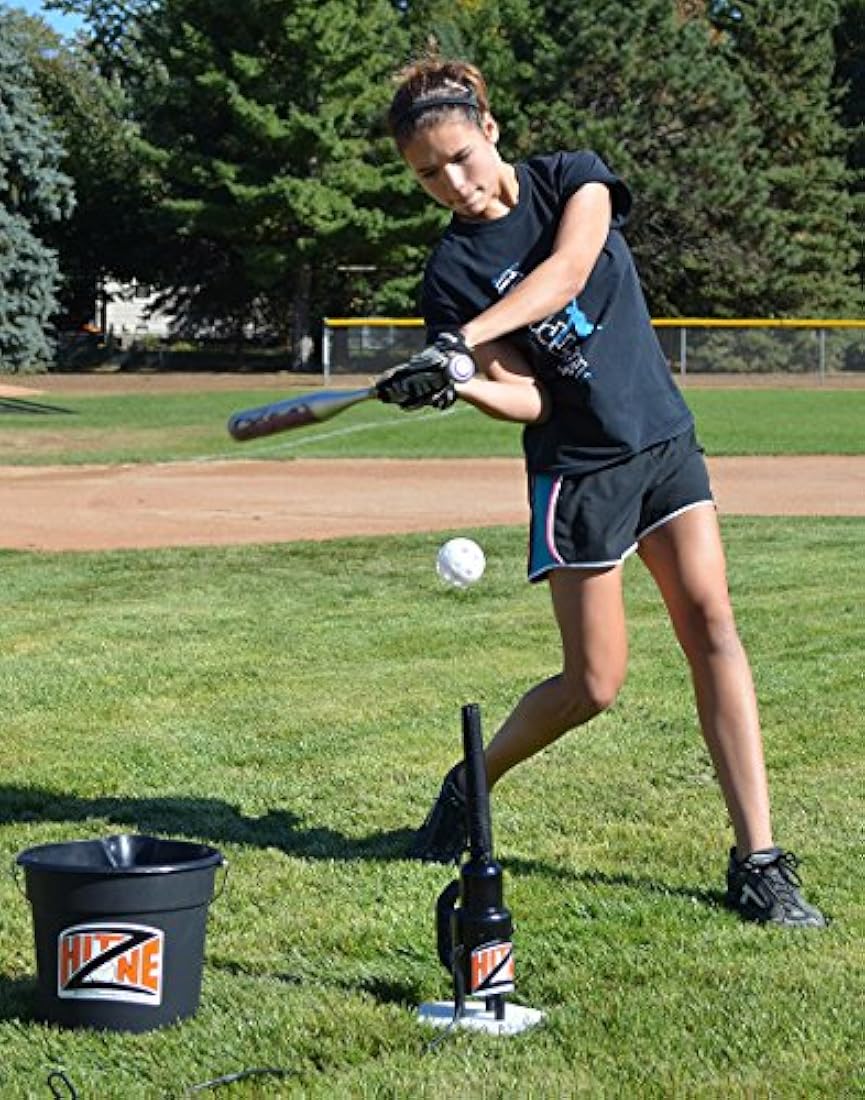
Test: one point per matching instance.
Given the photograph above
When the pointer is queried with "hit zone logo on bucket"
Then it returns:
(111, 962)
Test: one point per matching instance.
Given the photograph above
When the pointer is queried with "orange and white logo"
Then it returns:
(111, 962)
(492, 969)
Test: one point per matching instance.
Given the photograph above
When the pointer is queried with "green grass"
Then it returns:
(296, 705)
(149, 428)
(742, 422)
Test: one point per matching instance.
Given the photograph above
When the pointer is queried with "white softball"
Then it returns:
(460, 562)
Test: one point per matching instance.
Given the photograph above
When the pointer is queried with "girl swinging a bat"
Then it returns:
(533, 281)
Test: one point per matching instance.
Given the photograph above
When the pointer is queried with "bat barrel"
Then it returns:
(295, 412)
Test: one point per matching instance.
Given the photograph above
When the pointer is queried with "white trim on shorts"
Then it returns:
(672, 515)
(582, 564)
(623, 556)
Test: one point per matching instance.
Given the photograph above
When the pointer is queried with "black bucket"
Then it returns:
(119, 926)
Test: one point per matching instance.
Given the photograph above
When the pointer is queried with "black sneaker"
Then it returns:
(443, 837)
(765, 888)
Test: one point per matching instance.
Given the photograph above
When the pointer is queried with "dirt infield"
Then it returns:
(221, 503)
(236, 502)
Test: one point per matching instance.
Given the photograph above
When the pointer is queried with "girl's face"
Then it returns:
(458, 164)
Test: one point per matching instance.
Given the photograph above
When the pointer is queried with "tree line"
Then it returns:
(235, 155)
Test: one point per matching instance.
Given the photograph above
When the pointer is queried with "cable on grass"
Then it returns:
(58, 1078)
(241, 1075)
(63, 1089)
(448, 1031)
(459, 990)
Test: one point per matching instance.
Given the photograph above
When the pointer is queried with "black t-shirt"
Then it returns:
(612, 394)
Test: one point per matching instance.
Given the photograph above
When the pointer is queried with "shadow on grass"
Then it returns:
(714, 899)
(17, 997)
(198, 818)
(218, 822)
(380, 989)
(19, 405)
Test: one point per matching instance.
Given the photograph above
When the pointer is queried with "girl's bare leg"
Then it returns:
(590, 614)
(686, 558)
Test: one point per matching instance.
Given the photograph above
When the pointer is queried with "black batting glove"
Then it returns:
(412, 386)
(429, 376)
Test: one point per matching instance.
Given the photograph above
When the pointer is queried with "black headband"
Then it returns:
(466, 98)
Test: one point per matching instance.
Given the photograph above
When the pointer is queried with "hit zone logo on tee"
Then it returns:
(111, 962)
(561, 334)
(492, 969)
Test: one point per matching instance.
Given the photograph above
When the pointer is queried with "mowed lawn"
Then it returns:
(184, 426)
(295, 706)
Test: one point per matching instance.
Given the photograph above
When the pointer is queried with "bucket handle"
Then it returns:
(221, 889)
(15, 871)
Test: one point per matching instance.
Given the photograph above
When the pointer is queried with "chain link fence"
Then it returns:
(693, 346)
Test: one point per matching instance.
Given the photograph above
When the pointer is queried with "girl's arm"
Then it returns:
(507, 389)
(560, 278)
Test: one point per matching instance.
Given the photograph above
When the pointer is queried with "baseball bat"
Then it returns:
(294, 412)
(297, 412)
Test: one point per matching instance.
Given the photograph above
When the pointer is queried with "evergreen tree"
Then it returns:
(264, 142)
(850, 80)
(112, 229)
(785, 56)
(33, 193)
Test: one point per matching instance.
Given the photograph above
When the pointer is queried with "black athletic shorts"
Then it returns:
(595, 520)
